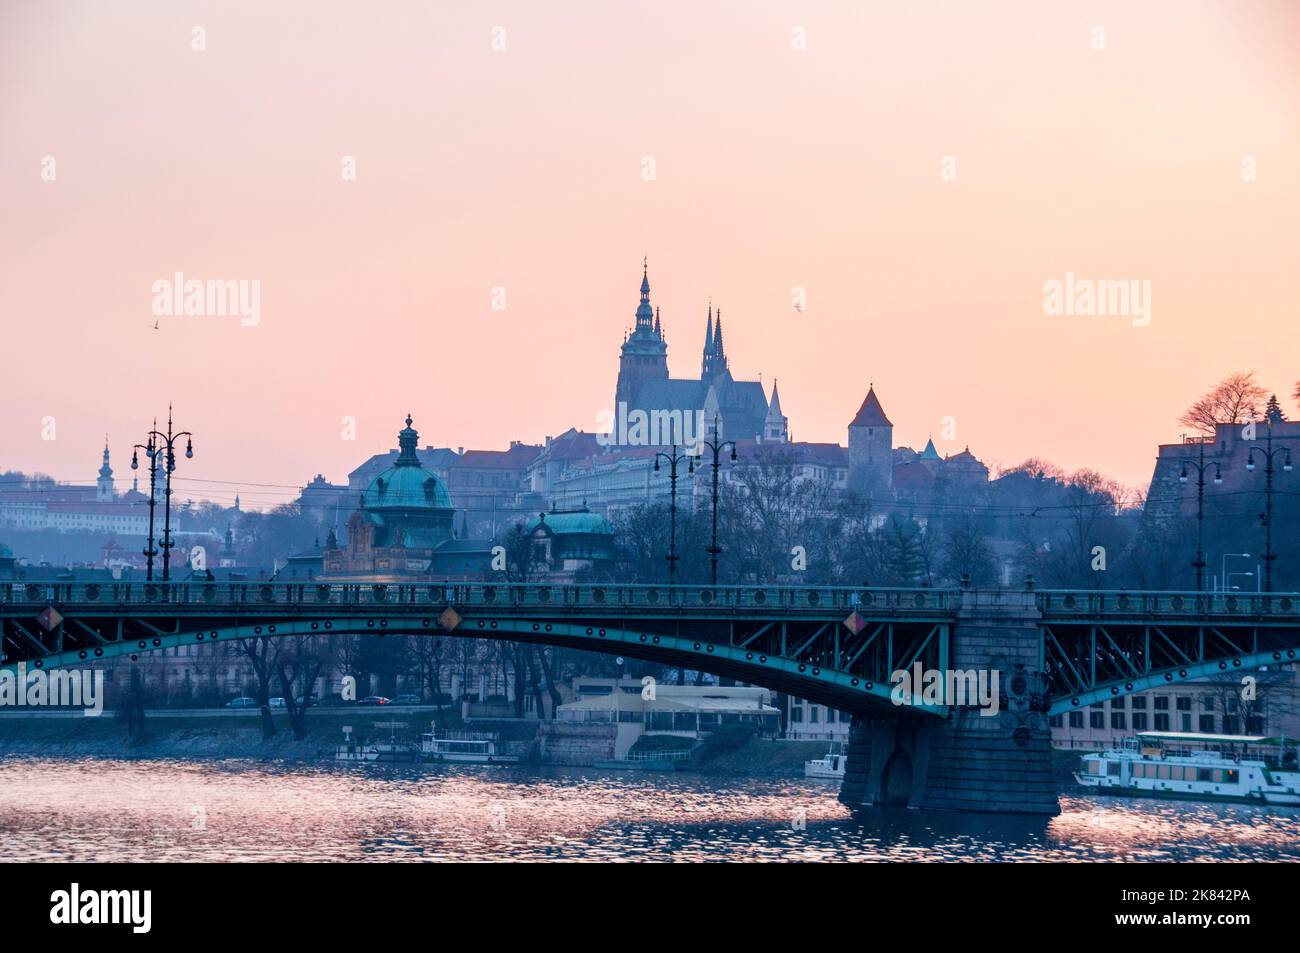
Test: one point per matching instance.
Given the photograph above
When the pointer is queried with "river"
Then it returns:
(108, 810)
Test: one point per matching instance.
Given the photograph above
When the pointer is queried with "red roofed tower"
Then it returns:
(871, 450)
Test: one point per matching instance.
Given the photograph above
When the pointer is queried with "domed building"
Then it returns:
(403, 527)
(567, 541)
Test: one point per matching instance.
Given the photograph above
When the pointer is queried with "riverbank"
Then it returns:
(211, 736)
(214, 736)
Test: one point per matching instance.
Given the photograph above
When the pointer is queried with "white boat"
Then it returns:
(463, 746)
(391, 751)
(830, 767)
(1203, 767)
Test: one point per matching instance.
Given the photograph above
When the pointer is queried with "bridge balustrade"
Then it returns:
(1120, 603)
(254, 593)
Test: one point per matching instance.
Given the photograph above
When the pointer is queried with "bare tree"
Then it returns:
(1236, 399)
(260, 652)
(297, 666)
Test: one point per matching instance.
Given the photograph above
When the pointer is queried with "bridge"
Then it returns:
(1054, 651)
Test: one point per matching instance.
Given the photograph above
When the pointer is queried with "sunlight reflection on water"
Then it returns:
(244, 811)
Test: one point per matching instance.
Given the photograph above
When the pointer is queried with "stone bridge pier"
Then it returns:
(968, 761)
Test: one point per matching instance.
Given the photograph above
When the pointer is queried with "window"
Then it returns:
(1140, 701)
(1162, 703)
(1076, 719)
(1096, 719)
(813, 712)
(796, 715)
(1207, 724)
(1056, 721)
(1185, 722)
(1183, 703)
(1164, 770)
(1139, 721)
(1117, 720)
(1162, 721)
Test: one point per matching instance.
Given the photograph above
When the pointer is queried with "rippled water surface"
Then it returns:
(234, 810)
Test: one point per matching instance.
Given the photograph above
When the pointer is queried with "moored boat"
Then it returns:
(1191, 765)
(829, 767)
(464, 747)
(391, 751)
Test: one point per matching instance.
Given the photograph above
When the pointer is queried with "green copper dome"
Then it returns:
(406, 485)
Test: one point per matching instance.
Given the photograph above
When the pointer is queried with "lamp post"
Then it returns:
(159, 444)
(1223, 566)
(717, 447)
(1199, 465)
(151, 453)
(673, 459)
(1267, 515)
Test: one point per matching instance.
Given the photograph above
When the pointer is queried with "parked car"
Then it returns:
(311, 701)
(242, 702)
(277, 702)
(407, 700)
(373, 700)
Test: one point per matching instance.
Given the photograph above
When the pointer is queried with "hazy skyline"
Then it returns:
(521, 168)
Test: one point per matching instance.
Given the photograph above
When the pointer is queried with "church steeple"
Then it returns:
(706, 362)
(776, 427)
(645, 315)
(104, 485)
(715, 356)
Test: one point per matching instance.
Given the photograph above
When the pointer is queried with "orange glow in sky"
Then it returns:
(921, 170)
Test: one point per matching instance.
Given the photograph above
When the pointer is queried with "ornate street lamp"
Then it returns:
(717, 448)
(1267, 515)
(1199, 465)
(164, 445)
(149, 451)
(673, 459)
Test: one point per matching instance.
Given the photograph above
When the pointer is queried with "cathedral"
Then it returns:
(739, 407)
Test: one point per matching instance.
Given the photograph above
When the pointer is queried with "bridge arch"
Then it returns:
(1196, 672)
(835, 689)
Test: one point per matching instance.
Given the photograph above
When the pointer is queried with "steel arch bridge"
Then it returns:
(1096, 645)
(830, 645)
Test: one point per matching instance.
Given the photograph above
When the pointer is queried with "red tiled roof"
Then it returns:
(871, 414)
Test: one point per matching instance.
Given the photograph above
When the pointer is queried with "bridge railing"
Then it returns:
(1056, 603)
(588, 598)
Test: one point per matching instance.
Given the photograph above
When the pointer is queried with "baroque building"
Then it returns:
(403, 528)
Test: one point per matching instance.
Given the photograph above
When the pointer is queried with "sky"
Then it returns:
(912, 175)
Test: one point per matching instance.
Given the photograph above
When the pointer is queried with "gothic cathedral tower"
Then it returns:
(645, 353)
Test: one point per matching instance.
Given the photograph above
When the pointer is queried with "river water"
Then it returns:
(104, 810)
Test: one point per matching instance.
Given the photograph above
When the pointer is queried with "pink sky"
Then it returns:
(521, 168)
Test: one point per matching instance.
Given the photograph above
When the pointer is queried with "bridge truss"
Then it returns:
(829, 645)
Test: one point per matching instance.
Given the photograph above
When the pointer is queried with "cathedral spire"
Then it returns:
(644, 313)
(706, 363)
